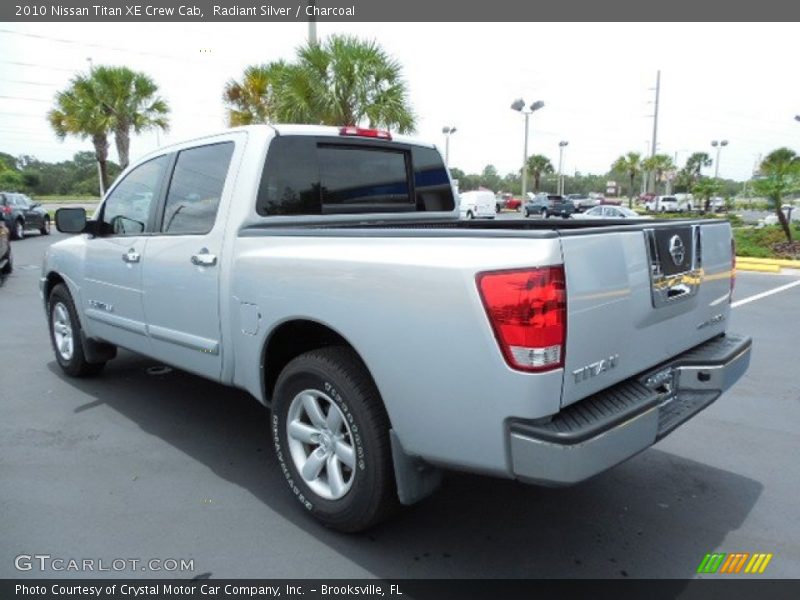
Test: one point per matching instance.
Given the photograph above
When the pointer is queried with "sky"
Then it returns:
(718, 81)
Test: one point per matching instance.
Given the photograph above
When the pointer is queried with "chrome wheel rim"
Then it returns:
(20, 230)
(321, 444)
(62, 331)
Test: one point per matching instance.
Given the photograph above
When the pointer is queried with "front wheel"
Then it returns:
(545, 214)
(45, 229)
(65, 335)
(526, 214)
(331, 436)
(470, 216)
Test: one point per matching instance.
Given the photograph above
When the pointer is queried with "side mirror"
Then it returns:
(71, 220)
(36, 205)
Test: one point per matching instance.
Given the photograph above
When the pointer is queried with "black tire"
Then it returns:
(338, 373)
(470, 216)
(45, 230)
(9, 267)
(18, 230)
(75, 365)
(545, 214)
(526, 214)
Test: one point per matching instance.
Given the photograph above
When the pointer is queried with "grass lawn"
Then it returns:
(66, 199)
(767, 242)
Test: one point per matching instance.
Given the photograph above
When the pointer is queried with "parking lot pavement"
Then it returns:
(138, 465)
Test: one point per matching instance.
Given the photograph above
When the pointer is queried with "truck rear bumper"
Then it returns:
(613, 425)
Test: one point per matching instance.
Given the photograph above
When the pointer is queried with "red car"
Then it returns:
(508, 202)
(611, 201)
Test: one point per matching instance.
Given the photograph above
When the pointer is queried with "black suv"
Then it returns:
(547, 205)
(21, 214)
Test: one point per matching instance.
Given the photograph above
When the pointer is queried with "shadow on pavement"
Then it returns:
(654, 516)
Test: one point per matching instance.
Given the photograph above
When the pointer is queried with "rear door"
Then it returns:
(638, 297)
(181, 275)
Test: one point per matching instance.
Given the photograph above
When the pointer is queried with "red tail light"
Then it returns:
(368, 133)
(528, 312)
(733, 268)
(6, 210)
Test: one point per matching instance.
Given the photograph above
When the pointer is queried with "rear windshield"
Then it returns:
(306, 175)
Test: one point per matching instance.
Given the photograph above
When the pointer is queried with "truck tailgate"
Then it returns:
(636, 298)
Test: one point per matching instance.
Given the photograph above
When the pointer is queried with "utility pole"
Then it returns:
(652, 180)
(312, 25)
(561, 146)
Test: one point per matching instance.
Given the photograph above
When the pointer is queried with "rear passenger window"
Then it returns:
(357, 179)
(196, 189)
(305, 175)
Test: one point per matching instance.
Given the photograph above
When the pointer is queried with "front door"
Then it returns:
(112, 293)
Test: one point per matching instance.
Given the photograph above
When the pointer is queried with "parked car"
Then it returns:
(665, 204)
(511, 202)
(581, 202)
(645, 198)
(609, 201)
(717, 204)
(547, 205)
(792, 214)
(609, 212)
(478, 204)
(325, 271)
(6, 262)
(21, 214)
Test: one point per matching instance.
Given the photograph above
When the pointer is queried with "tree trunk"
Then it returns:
(536, 177)
(707, 205)
(630, 193)
(782, 220)
(122, 137)
(100, 142)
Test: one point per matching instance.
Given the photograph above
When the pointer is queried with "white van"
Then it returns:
(477, 205)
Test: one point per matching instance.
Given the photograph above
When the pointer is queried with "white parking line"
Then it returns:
(765, 294)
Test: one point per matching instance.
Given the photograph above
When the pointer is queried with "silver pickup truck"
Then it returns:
(326, 272)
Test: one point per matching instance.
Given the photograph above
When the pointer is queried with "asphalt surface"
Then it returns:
(132, 465)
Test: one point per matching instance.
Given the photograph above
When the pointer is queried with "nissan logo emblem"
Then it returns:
(677, 250)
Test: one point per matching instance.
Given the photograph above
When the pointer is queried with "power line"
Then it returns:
(25, 64)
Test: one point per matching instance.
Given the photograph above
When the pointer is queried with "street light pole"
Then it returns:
(519, 106)
(718, 145)
(561, 145)
(447, 131)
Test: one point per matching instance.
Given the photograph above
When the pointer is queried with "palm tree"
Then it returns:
(658, 164)
(630, 164)
(538, 165)
(705, 188)
(779, 175)
(341, 81)
(252, 100)
(129, 100)
(695, 164)
(78, 111)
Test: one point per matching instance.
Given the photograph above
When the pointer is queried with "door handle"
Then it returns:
(204, 259)
(131, 256)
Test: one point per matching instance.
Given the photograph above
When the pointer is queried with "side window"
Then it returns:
(127, 210)
(361, 179)
(431, 184)
(290, 180)
(196, 188)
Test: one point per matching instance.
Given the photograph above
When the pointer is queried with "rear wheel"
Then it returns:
(45, 230)
(545, 214)
(331, 437)
(470, 216)
(65, 335)
(526, 214)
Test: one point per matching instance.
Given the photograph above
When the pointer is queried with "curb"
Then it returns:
(742, 265)
(780, 262)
